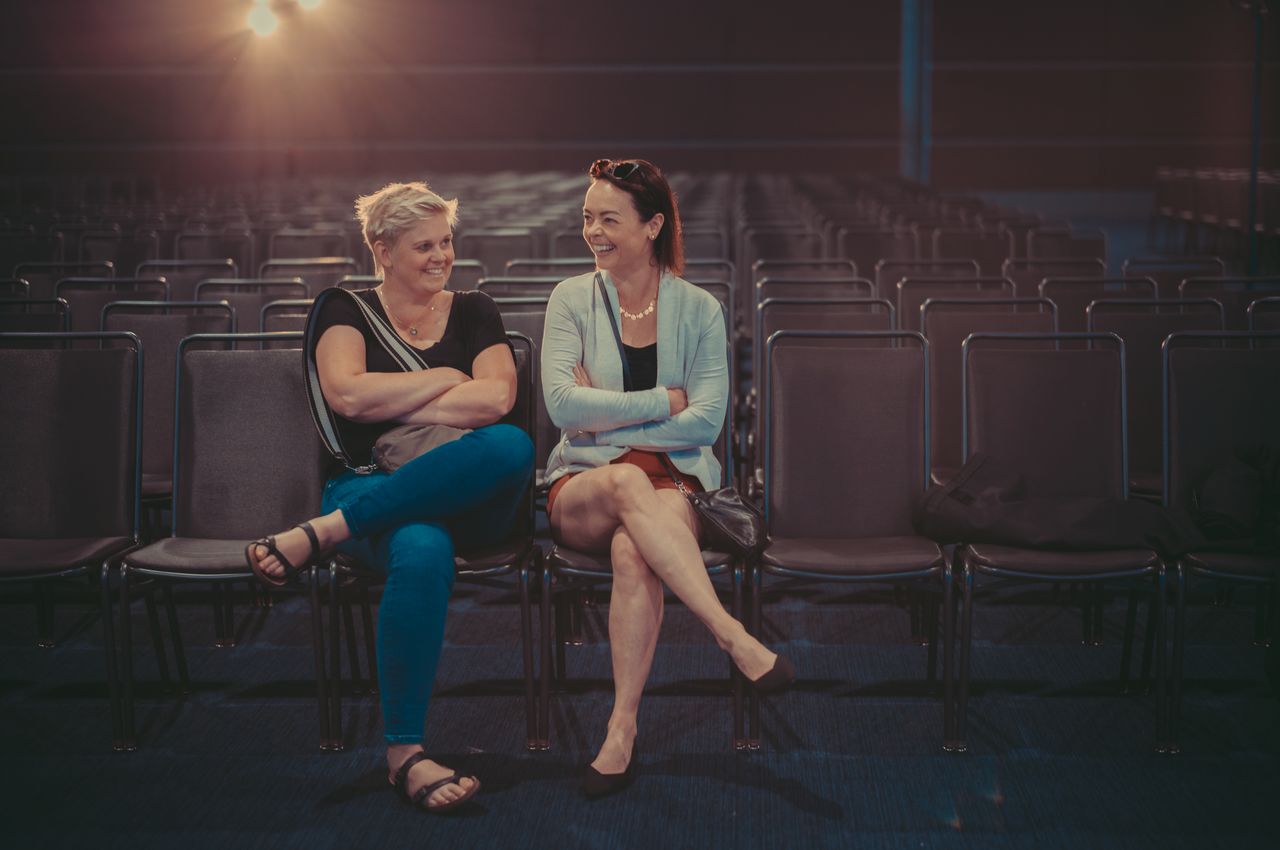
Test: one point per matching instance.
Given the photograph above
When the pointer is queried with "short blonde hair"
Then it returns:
(387, 213)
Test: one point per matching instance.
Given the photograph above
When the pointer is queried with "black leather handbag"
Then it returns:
(729, 522)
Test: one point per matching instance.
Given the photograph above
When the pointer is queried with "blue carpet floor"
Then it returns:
(850, 758)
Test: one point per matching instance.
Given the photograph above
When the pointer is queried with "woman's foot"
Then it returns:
(615, 752)
(427, 772)
(751, 657)
(295, 545)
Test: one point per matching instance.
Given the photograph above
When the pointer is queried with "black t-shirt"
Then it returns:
(473, 325)
(644, 366)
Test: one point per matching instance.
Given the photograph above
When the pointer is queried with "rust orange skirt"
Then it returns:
(647, 461)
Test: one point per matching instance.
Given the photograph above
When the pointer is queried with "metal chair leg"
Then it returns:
(157, 637)
(109, 650)
(532, 741)
(966, 643)
(949, 741)
(370, 643)
(44, 615)
(128, 738)
(353, 655)
(740, 741)
(1126, 651)
(1174, 710)
(175, 636)
(545, 671)
(317, 646)
(753, 699)
(335, 667)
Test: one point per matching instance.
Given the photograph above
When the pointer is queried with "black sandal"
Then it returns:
(291, 573)
(423, 794)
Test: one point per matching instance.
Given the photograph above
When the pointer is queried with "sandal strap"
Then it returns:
(290, 571)
(312, 536)
(402, 772)
(272, 549)
(420, 796)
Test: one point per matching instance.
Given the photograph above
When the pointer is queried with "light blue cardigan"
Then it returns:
(601, 422)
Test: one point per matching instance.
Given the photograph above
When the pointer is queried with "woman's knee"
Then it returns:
(625, 484)
(507, 450)
(421, 554)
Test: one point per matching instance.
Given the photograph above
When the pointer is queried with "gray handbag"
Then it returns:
(403, 443)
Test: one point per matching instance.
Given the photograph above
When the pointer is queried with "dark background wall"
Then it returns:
(1090, 94)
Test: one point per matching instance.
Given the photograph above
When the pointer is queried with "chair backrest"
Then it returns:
(946, 323)
(43, 277)
(21, 247)
(1055, 416)
(317, 273)
(288, 315)
(249, 296)
(1168, 272)
(519, 287)
(1234, 293)
(466, 274)
(29, 315)
(569, 244)
(525, 413)
(234, 478)
(527, 317)
(183, 275)
(293, 243)
(14, 289)
(1028, 274)
(233, 244)
(709, 269)
(560, 267)
(867, 246)
(355, 282)
(835, 465)
(1067, 242)
(87, 296)
(912, 292)
(126, 251)
(1143, 324)
(70, 457)
(808, 268)
(1220, 403)
(494, 247)
(988, 248)
(798, 287)
(1264, 314)
(1073, 295)
(705, 242)
(889, 272)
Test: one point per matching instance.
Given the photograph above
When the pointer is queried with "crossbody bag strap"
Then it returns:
(613, 323)
(671, 470)
(404, 355)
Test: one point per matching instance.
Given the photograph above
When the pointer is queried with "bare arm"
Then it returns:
(476, 402)
(363, 396)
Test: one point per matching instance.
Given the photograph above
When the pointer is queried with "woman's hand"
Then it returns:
(580, 376)
(678, 400)
(454, 376)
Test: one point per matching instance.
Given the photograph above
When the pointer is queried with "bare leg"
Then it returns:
(591, 507)
(635, 614)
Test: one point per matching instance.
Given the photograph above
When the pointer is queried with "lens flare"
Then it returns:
(262, 20)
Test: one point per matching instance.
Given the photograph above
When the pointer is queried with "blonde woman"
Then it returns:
(467, 491)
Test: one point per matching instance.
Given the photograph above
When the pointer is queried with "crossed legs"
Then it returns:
(652, 538)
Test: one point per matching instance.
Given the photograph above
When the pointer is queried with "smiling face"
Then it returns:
(422, 258)
(621, 242)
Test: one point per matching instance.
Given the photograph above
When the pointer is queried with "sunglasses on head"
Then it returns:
(616, 170)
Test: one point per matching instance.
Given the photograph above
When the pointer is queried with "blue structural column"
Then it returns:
(916, 89)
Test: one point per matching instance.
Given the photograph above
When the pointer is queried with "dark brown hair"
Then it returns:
(651, 194)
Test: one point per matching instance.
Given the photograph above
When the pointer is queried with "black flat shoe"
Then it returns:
(780, 677)
(596, 784)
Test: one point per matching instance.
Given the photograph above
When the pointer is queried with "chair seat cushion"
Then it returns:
(1235, 563)
(192, 555)
(35, 556)
(563, 558)
(471, 561)
(854, 557)
(1050, 563)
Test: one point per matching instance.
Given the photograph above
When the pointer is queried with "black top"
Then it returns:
(644, 366)
(473, 325)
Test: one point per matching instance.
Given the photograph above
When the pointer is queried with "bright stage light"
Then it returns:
(262, 20)
(309, 4)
